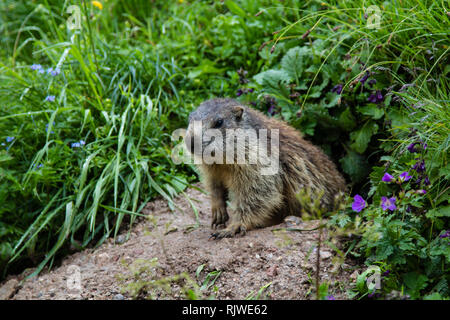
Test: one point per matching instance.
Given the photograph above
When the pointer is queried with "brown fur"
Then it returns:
(260, 201)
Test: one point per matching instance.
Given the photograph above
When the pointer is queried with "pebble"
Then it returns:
(8, 289)
(121, 238)
(119, 297)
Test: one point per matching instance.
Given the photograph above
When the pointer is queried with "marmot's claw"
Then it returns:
(229, 232)
(219, 217)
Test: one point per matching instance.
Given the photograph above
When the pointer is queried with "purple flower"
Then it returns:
(387, 177)
(425, 146)
(376, 97)
(411, 147)
(239, 92)
(419, 166)
(386, 273)
(271, 110)
(422, 191)
(405, 176)
(337, 88)
(38, 167)
(372, 82)
(50, 98)
(379, 96)
(426, 181)
(53, 72)
(36, 67)
(358, 203)
(446, 234)
(330, 297)
(388, 204)
(9, 139)
(418, 181)
(78, 144)
(364, 78)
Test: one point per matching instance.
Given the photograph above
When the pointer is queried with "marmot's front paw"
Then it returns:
(232, 230)
(219, 217)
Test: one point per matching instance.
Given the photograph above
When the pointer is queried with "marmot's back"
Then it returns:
(302, 163)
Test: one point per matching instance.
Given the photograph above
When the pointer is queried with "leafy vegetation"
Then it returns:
(87, 115)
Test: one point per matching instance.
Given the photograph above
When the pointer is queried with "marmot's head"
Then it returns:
(209, 123)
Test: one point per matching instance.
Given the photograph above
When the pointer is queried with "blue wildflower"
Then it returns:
(36, 67)
(388, 204)
(78, 144)
(405, 176)
(376, 97)
(419, 166)
(330, 297)
(337, 88)
(9, 139)
(446, 234)
(53, 72)
(364, 78)
(411, 147)
(50, 98)
(358, 203)
(387, 177)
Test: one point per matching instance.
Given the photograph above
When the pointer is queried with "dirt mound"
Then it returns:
(170, 256)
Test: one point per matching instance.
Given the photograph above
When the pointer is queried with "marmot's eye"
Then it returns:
(218, 123)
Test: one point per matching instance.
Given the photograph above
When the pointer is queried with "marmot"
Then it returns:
(258, 200)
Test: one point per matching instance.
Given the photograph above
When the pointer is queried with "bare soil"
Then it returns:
(170, 256)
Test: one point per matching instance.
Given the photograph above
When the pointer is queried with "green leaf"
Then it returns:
(234, 8)
(372, 111)
(207, 67)
(355, 165)
(439, 212)
(294, 62)
(346, 120)
(415, 282)
(272, 80)
(362, 136)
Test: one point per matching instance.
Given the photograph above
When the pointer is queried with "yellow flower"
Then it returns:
(97, 4)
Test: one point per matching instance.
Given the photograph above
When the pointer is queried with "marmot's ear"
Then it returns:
(238, 111)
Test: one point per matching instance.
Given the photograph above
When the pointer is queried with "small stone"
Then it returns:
(121, 238)
(119, 297)
(102, 259)
(325, 254)
(272, 271)
(354, 275)
(8, 289)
